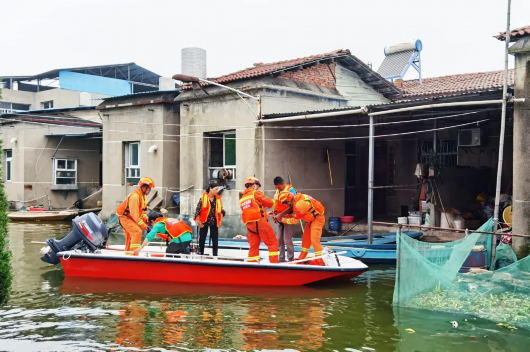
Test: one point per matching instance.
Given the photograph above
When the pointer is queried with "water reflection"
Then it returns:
(48, 311)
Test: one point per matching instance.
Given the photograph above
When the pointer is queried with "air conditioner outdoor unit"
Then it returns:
(470, 137)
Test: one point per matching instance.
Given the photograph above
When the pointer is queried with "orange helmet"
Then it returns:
(146, 181)
(252, 180)
(285, 197)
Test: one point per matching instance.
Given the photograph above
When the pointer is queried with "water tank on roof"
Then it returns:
(194, 62)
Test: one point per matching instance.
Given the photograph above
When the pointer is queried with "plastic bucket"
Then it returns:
(475, 260)
(334, 224)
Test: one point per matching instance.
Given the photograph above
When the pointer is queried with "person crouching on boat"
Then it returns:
(307, 208)
(255, 218)
(132, 214)
(209, 216)
(176, 233)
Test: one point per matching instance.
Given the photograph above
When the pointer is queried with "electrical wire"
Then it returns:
(195, 135)
(283, 127)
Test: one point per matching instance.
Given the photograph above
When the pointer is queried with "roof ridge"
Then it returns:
(457, 75)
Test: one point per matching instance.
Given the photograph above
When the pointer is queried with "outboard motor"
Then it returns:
(89, 234)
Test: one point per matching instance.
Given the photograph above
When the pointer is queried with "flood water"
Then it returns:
(48, 312)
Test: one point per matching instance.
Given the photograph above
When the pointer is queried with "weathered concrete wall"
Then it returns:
(17, 96)
(152, 124)
(228, 112)
(521, 152)
(32, 163)
(62, 98)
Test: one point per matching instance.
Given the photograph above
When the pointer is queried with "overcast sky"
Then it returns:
(41, 35)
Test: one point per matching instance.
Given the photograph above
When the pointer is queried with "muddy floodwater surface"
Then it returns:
(47, 311)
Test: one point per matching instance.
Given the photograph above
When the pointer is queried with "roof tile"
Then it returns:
(515, 33)
(261, 69)
(456, 84)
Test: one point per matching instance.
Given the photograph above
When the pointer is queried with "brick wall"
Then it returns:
(320, 74)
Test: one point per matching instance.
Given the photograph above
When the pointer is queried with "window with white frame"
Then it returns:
(223, 150)
(132, 162)
(65, 172)
(47, 104)
(222, 154)
(9, 155)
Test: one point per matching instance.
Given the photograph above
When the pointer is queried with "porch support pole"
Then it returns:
(371, 181)
(501, 138)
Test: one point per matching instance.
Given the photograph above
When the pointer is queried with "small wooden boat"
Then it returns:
(229, 269)
(41, 215)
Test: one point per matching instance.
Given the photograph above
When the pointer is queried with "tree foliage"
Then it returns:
(5, 253)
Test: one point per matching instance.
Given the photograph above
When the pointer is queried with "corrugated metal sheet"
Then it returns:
(394, 64)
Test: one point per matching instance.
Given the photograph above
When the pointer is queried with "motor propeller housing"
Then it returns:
(88, 234)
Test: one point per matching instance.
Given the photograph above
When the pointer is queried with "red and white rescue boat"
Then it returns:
(83, 253)
(228, 269)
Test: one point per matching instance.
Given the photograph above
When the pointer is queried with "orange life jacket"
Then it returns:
(252, 209)
(206, 208)
(316, 208)
(281, 207)
(174, 227)
(123, 208)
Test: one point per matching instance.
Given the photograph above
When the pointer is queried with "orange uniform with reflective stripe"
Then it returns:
(133, 218)
(310, 210)
(258, 227)
(252, 204)
(134, 207)
(306, 207)
(206, 208)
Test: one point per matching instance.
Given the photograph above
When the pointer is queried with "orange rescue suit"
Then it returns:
(311, 211)
(133, 218)
(206, 208)
(258, 227)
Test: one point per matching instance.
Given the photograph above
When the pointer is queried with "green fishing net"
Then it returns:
(428, 277)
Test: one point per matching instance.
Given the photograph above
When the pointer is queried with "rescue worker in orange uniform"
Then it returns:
(176, 233)
(132, 214)
(253, 204)
(310, 210)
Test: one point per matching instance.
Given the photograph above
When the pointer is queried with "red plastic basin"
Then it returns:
(346, 219)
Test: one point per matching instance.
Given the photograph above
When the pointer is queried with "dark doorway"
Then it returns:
(356, 177)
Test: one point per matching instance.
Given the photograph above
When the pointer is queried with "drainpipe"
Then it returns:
(501, 138)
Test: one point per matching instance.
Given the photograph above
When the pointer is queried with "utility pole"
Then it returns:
(501, 137)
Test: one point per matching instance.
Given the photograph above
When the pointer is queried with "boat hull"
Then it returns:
(201, 271)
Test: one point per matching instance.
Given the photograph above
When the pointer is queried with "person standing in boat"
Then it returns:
(177, 234)
(209, 216)
(285, 231)
(132, 214)
(307, 208)
(255, 218)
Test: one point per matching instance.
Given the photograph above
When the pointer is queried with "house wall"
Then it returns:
(62, 98)
(152, 124)
(222, 113)
(32, 163)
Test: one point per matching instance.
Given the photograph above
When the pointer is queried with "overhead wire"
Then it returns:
(290, 139)
(282, 127)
